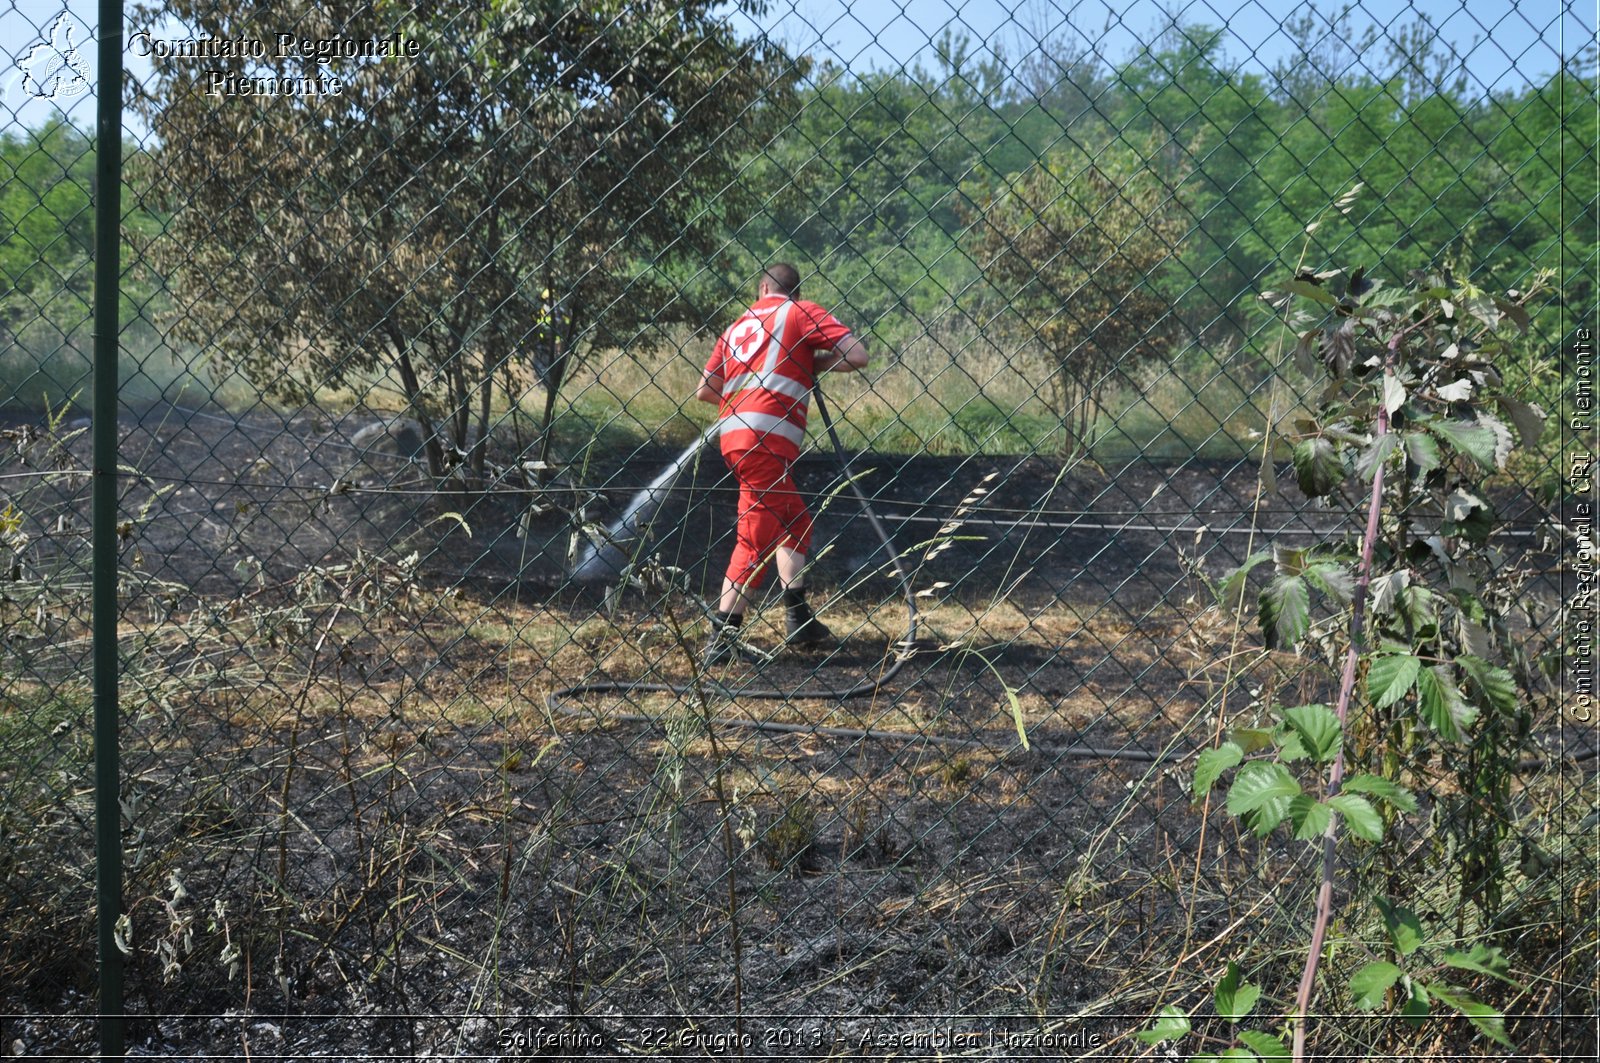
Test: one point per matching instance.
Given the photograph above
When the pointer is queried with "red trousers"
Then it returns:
(771, 514)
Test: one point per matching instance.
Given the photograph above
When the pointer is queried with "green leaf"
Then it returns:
(1372, 983)
(1422, 452)
(1442, 705)
(1252, 739)
(1235, 999)
(1416, 1007)
(1358, 813)
(1481, 1015)
(1405, 929)
(1260, 782)
(1304, 349)
(1264, 1045)
(1333, 579)
(1390, 677)
(1210, 765)
(1262, 790)
(1460, 503)
(1379, 787)
(1482, 307)
(1417, 606)
(1499, 690)
(1385, 589)
(1316, 466)
(1469, 438)
(1484, 959)
(1311, 290)
(1516, 312)
(1467, 515)
(1310, 817)
(1285, 611)
(1291, 747)
(1502, 439)
(1475, 638)
(1171, 1023)
(1268, 473)
(1318, 728)
(1338, 354)
(1228, 591)
(1374, 454)
(1289, 560)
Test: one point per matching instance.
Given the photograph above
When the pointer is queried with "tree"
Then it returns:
(47, 224)
(1071, 249)
(1215, 120)
(865, 183)
(508, 194)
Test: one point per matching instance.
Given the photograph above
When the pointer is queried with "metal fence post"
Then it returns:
(107, 289)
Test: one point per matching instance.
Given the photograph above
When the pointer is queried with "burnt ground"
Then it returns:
(296, 491)
(353, 755)
(242, 498)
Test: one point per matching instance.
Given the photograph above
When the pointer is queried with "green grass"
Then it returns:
(1172, 421)
(980, 426)
(953, 397)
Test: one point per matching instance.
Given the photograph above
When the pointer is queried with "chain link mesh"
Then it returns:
(421, 534)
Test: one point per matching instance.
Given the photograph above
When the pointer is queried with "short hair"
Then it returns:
(783, 277)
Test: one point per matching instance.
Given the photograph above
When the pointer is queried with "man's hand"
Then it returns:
(710, 389)
(849, 356)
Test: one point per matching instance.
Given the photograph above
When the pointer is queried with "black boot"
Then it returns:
(804, 627)
(723, 646)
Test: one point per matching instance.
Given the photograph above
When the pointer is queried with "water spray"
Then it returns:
(606, 558)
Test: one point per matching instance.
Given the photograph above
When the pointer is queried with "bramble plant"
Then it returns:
(1413, 627)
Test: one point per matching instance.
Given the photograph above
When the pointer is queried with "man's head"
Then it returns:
(780, 278)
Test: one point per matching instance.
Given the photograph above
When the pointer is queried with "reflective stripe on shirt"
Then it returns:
(764, 424)
(767, 381)
(775, 345)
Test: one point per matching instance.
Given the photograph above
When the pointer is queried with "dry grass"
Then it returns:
(951, 391)
(372, 788)
(394, 775)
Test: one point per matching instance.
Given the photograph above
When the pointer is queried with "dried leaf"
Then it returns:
(1528, 417)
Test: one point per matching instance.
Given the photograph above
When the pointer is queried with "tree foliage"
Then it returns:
(48, 225)
(873, 181)
(509, 197)
(639, 168)
(1072, 249)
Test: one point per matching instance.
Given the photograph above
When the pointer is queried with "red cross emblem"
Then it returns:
(746, 340)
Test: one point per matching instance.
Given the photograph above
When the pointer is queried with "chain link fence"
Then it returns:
(421, 530)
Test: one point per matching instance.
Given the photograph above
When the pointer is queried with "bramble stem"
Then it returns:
(1347, 684)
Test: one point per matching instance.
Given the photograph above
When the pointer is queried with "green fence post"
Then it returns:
(107, 289)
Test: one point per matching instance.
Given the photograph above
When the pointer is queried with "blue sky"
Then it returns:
(1516, 40)
(1506, 43)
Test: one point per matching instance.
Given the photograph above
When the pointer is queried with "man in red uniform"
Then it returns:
(760, 375)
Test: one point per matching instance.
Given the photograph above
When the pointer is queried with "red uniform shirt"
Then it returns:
(766, 361)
